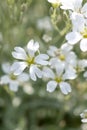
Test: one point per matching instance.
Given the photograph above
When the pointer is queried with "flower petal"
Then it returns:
(42, 59)
(34, 46)
(5, 79)
(65, 87)
(82, 64)
(51, 86)
(71, 58)
(6, 67)
(19, 53)
(23, 77)
(48, 73)
(84, 120)
(83, 45)
(18, 67)
(60, 68)
(13, 86)
(73, 5)
(85, 74)
(78, 21)
(52, 51)
(73, 37)
(70, 73)
(66, 47)
(35, 72)
(67, 5)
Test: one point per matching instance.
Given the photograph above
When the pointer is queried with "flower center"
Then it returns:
(13, 77)
(58, 79)
(79, 69)
(62, 57)
(30, 60)
(84, 33)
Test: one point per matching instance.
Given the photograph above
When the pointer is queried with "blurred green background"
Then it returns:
(32, 108)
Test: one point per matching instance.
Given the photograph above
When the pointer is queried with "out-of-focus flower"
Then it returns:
(44, 24)
(85, 74)
(79, 65)
(29, 59)
(84, 116)
(9, 78)
(64, 54)
(46, 38)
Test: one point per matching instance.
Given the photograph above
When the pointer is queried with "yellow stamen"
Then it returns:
(84, 33)
(13, 77)
(30, 60)
(58, 79)
(79, 69)
(62, 57)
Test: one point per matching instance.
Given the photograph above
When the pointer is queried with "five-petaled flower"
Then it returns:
(59, 78)
(29, 59)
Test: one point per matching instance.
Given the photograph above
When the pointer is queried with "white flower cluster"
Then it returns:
(65, 61)
(63, 66)
(59, 65)
(84, 116)
(28, 58)
(78, 17)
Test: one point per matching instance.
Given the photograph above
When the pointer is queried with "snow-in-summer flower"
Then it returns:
(44, 24)
(64, 54)
(29, 58)
(46, 38)
(79, 36)
(77, 12)
(78, 21)
(84, 116)
(10, 79)
(75, 6)
(58, 78)
(80, 65)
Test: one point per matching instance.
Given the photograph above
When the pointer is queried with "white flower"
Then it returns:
(80, 65)
(77, 12)
(59, 79)
(75, 6)
(75, 37)
(46, 38)
(29, 59)
(85, 75)
(78, 21)
(9, 78)
(60, 52)
(84, 116)
(64, 54)
(44, 24)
